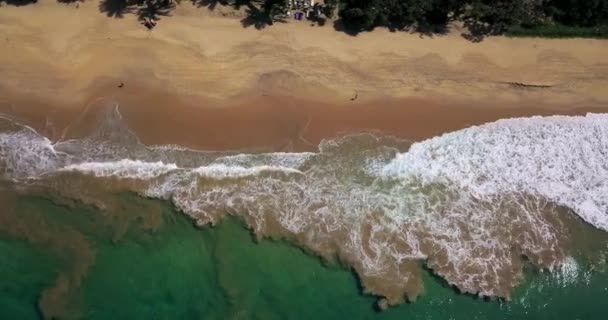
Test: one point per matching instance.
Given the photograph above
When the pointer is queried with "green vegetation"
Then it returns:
(553, 18)
(360, 15)
(543, 18)
(559, 31)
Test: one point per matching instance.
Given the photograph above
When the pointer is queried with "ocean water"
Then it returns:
(178, 271)
(506, 220)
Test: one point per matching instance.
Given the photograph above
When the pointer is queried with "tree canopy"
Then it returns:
(495, 16)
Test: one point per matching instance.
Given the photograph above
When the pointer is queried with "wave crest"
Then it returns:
(562, 159)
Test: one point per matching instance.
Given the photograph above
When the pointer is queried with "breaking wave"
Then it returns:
(469, 203)
(562, 159)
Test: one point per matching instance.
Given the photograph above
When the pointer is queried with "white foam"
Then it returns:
(568, 272)
(25, 154)
(563, 159)
(277, 159)
(221, 171)
(131, 169)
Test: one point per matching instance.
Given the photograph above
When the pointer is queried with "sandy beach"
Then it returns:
(217, 81)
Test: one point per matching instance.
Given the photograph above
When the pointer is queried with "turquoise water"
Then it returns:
(150, 262)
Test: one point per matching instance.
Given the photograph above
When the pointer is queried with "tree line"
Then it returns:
(481, 17)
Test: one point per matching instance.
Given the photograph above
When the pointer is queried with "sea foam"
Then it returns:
(132, 169)
(562, 159)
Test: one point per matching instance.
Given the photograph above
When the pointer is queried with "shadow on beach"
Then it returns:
(117, 8)
(18, 3)
(144, 9)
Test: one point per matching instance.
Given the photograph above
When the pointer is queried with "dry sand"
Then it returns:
(285, 82)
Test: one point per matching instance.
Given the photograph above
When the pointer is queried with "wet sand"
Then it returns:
(271, 123)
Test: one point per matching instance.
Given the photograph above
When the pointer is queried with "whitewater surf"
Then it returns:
(471, 205)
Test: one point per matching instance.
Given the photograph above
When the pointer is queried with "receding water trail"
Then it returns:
(468, 204)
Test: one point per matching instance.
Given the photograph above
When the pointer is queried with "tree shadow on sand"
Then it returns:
(18, 3)
(212, 4)
(144, 9)
(155, 9)
(118, 8)
(258, 18)
(254, 16)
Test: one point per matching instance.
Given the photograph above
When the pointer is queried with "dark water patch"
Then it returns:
(25, 271)
(122, 213)
(27, 222)
(588, 245)
(165, 274)
(70, 232)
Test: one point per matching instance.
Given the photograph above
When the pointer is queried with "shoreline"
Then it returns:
(265, 123)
